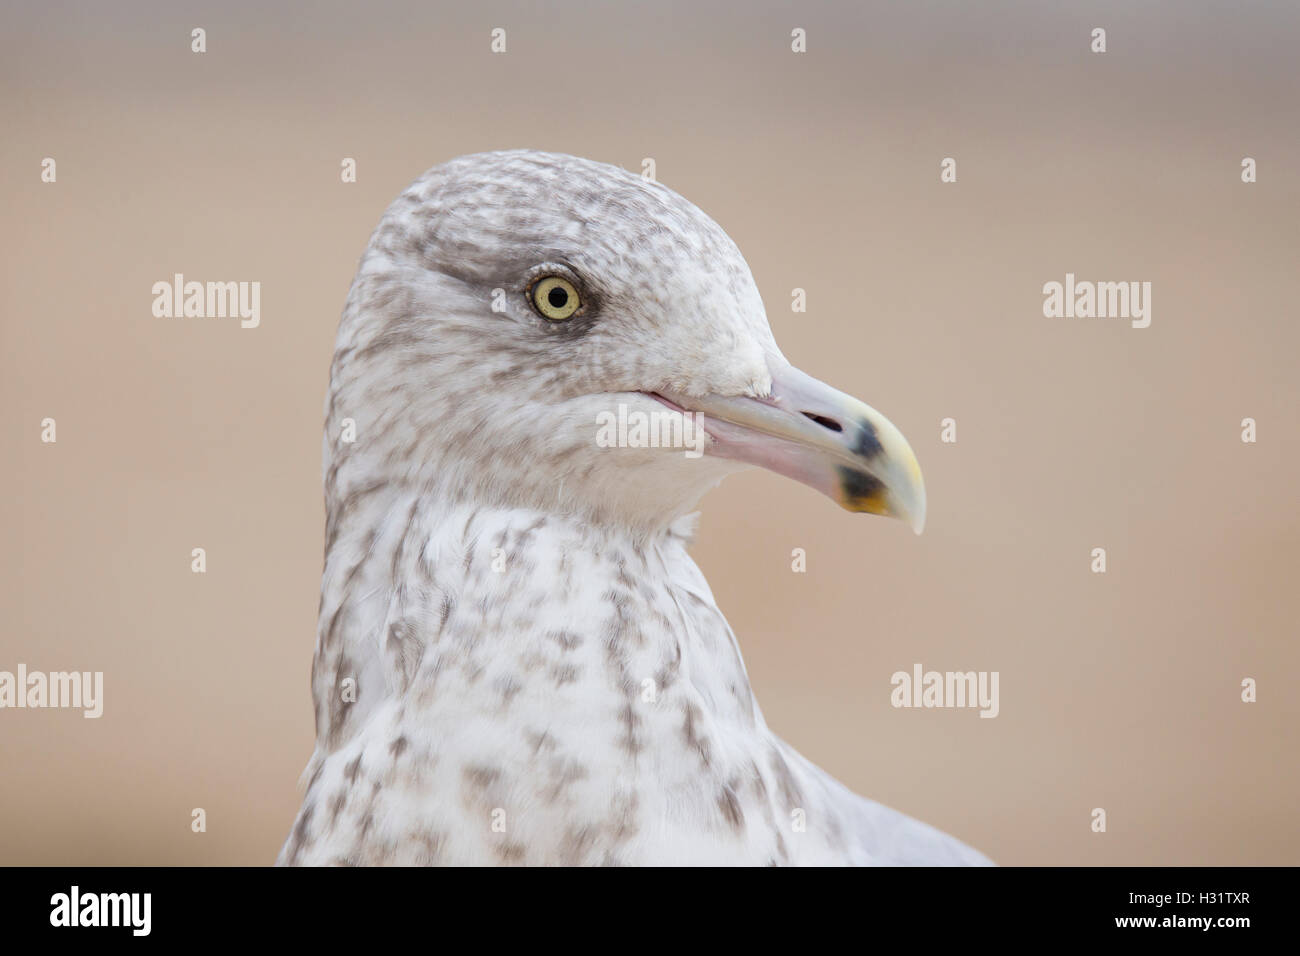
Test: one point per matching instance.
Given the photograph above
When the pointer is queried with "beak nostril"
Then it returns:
(825, 422)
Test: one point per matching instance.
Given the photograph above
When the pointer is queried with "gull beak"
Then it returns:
(819, 436)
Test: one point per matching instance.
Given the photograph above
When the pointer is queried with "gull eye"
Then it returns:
(555, 298)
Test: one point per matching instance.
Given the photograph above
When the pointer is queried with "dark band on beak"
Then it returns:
(868, 443)
(862, 492)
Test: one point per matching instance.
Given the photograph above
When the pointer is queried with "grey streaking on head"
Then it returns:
(517, 661)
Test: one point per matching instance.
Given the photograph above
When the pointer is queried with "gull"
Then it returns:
(517, 661)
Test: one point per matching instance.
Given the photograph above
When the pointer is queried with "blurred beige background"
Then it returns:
(1119, 691)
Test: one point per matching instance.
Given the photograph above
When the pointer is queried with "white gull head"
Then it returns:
(510, 303)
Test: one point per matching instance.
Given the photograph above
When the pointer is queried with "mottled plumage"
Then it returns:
(517, 660)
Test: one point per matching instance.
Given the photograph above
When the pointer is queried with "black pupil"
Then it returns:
(558, 297)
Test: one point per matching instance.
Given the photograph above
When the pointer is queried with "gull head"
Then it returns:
(540, 331)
